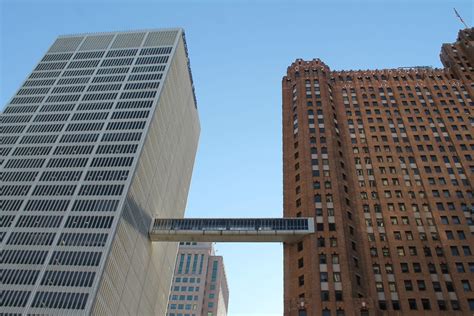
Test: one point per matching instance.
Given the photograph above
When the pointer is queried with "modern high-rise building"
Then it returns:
(99, 139)
(200, 283)
(384, 162)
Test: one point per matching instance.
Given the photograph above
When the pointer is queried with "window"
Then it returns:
(397, 235)
(392, 287)
(321, 242)
(412, 303)
(383, 305)
(466, 286)
(450, 286)
(324, 296)
(455, 305)
(471, 304)
(301, 280)
(322, 258)
(437, 286)
(300, 262)
(466, 250)
(426, 304)
(376, 268)
(442, 305)
(421, 285)
(323, 276)
(460, 267)
(396, 305)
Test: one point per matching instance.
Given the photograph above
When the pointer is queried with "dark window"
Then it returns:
(471, 304)
(396, 305)
(300, 262)
(324, 296)
(412, 303)
(426, 304)
(455, 305)
(301, 280)
(442, 305)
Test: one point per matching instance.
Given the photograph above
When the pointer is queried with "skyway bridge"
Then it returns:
(288, 230)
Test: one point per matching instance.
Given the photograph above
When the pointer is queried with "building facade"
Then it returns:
(200, 283)
(99, 139)
(383, 159)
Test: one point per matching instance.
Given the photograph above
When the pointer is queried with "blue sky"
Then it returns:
(239, 51)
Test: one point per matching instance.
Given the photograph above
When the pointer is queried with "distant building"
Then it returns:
(200, 283)
(384, 162)
(100, 138)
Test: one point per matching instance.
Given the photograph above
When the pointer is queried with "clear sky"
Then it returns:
(239, 51)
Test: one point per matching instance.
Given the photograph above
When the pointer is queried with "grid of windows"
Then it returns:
(394, 147)
(80, 109)
(199, 284)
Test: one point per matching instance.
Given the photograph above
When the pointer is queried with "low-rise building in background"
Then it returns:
(199, 283)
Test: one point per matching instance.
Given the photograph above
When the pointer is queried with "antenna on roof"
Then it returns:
(460, 18)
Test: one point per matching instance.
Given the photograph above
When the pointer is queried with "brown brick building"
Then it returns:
(384, 162)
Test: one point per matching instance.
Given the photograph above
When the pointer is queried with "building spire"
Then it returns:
(460, 18)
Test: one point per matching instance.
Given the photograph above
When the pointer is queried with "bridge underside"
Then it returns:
(288, 230)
